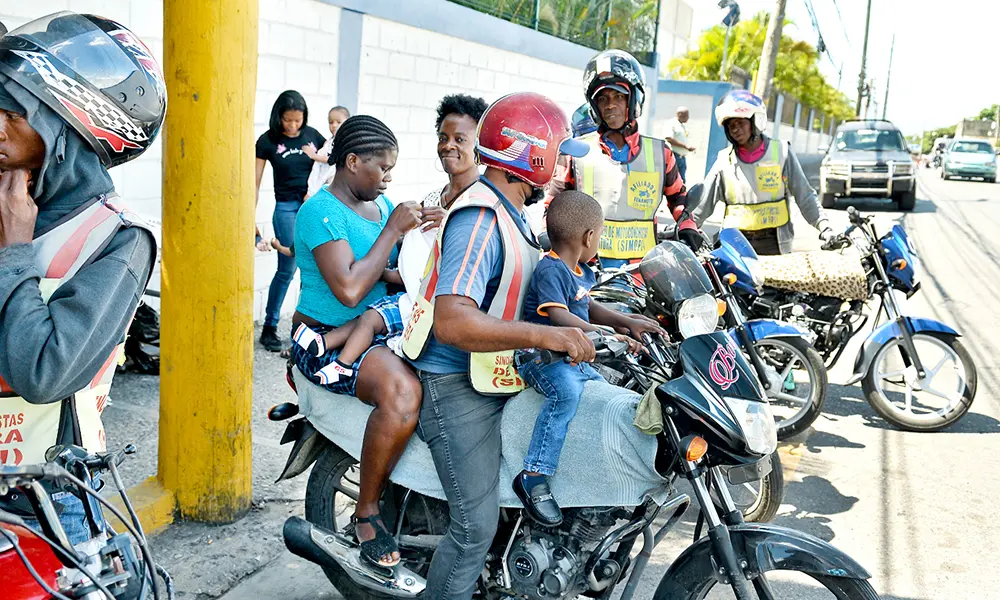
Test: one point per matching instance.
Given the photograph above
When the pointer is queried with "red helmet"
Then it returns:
(523, 134)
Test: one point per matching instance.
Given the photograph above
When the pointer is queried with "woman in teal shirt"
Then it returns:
(345, 239)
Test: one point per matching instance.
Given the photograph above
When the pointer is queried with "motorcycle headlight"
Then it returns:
(757, 422)
(756, 271)
(698, 316)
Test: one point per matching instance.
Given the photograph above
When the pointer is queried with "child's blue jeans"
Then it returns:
(562, 384)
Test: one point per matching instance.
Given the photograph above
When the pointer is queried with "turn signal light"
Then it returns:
(696, 448)
(899, 264)
(729, 278)
(722, 306)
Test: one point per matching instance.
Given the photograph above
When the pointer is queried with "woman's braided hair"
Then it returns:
(362, 135)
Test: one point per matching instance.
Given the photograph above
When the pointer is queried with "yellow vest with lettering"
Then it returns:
(757, 201)
(628, 192)
(27, 430)
(491, 373)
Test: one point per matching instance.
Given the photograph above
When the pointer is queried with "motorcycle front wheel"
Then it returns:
(795, 586)
(911, 403)
(799, 384)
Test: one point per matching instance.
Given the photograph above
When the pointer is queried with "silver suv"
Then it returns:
(868, 158)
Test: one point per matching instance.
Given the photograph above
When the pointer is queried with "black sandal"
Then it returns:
(384, 543)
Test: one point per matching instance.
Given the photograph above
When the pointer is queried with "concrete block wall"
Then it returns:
(405, 71)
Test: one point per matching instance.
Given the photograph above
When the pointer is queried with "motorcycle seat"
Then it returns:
(601, 439)
(820, 272)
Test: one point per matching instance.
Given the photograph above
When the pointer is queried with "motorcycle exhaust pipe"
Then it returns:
(328, 549)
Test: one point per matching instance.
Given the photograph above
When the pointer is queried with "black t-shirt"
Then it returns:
(291, 166)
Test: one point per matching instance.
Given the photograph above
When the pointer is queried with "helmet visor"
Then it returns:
(574, 148)
(80, 44)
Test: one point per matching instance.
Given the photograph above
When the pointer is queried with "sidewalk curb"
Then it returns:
(153, 504)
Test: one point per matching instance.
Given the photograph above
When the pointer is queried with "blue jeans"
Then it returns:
(562, 384)
(283, 221)
(462, 429)
(682, 166)
(73, 516)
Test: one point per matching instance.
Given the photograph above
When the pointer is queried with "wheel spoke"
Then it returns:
(934, 392)
(909, 400)
(937, 368)
(754, 491)
(788, 368)
(891, 374)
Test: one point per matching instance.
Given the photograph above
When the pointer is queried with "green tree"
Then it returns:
(796, 72)
(989, 113)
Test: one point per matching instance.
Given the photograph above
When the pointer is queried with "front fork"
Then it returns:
(894, 312)
(731, 570)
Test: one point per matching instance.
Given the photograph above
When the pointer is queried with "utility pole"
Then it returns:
(769, 57)
(864, 56)
(732, 18)
(885, 103)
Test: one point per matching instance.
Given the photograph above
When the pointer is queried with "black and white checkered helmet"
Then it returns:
(96, 74)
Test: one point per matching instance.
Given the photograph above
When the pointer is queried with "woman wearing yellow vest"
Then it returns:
(754, 179)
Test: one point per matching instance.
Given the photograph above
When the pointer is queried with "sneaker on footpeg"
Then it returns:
(538, 500)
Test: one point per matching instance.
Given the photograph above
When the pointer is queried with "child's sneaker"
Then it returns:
(334, 372)
(308, 339)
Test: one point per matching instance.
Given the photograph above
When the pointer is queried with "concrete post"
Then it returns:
(210, 55)
(795, 126)
(809, 128)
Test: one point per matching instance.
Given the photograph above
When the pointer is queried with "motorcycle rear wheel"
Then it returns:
(842, 589)
(333, 477)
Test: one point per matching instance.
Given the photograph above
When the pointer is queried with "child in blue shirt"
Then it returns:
(559, 295)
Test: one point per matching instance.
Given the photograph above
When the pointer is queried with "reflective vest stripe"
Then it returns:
(511, 307)
(67, 258)
(587, 180)
(647, 150)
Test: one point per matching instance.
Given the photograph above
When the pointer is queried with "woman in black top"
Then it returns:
(281, 145)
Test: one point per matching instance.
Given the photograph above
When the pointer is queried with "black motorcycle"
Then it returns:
(716, 425)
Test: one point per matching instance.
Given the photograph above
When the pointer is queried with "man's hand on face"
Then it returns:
(17, 208)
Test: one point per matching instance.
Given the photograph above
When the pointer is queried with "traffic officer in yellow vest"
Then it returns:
(626, 172)
(756, 179)
(78, 94)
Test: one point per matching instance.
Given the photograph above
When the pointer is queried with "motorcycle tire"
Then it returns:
(841, 587)
(326, 483)
(770, 493)
(804, 418)
(884, 407)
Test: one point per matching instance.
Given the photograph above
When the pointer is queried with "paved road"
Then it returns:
(915, 509)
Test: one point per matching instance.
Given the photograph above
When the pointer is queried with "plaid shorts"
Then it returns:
(309, 364)
(388, 307)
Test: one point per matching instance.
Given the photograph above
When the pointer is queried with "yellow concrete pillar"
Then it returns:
(206, 384)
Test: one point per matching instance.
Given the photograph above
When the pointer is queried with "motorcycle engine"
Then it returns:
(549, 564)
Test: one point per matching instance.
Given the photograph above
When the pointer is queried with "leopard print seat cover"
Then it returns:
(823, 273)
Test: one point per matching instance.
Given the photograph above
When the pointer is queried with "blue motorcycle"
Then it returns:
(915, 372)
(789, 367)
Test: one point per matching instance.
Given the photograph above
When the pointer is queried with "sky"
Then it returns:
(946, 62)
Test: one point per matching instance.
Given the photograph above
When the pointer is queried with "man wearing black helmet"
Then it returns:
(73, 262)
(626, 172)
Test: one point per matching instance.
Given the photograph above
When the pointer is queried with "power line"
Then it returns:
(842, 24)
(821, 46)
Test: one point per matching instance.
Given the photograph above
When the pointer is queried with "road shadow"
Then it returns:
(849, 401)
(814, 441)
(814, 501)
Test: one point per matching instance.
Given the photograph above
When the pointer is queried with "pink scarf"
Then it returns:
(752, 156)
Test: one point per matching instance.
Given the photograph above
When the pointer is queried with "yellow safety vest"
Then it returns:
(27, 430)
(491, 373)
(758, 201)
(628, 192)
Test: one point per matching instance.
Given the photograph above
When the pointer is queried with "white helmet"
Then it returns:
(742, 104)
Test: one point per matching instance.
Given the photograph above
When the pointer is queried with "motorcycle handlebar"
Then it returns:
(607, 348)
